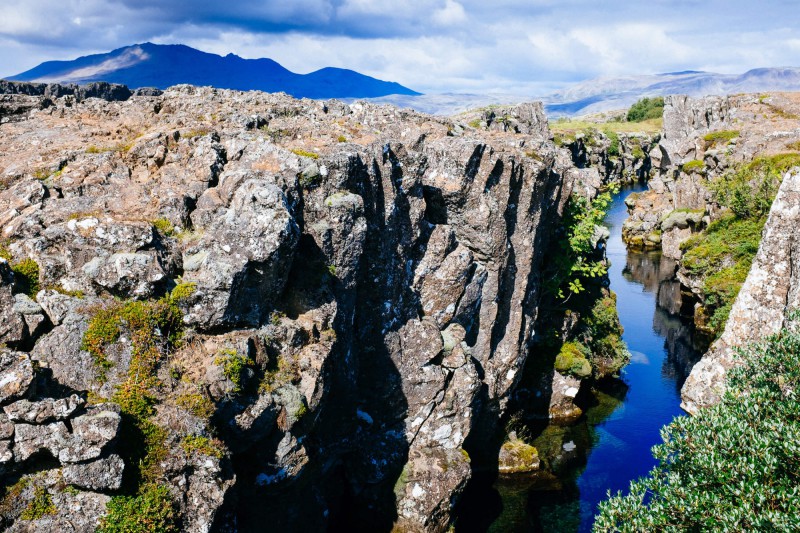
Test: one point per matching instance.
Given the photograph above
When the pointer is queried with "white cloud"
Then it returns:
(519, 46)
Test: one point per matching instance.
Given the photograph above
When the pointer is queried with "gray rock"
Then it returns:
(44, 410)
(100, 475)
(16, 375)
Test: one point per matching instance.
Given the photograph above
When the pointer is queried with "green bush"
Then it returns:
(574, 259)
(26, 277)
(150, 511)
(233, 366)
(645, 109)
(613, 147)
(732, 467)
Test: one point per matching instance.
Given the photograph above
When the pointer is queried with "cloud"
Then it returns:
(512, 46)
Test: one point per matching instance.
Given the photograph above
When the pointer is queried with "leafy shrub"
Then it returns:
(26, 277)
(150, 511)
(197, 404)
(613, 147)
(645, 109)
(40, 505)
(202, 445)
(732, 467)
(164, 227)
(575, 259)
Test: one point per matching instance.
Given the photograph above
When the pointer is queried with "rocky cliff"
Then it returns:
(770, 293)
(245, 301)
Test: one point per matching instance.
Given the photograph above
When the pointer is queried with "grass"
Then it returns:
(723, 255)
(649, 126)
(150, 511)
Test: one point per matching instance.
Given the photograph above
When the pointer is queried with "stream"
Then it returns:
(610, 444)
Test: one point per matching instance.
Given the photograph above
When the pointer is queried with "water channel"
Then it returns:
(610, 445)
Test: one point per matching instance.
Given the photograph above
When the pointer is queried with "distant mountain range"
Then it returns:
(605, 94)
(161, 66)
(153, 65)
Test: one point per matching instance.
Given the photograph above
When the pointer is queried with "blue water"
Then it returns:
(611, 444)
(621, 451)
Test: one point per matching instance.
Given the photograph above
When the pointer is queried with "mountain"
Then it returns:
(605, 94)
(154, 65)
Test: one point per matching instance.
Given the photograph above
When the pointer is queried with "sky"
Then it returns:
(434, 46)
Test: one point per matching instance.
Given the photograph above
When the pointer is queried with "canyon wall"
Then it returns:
(304, 310)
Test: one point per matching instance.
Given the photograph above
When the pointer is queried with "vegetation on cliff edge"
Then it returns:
(732, 467)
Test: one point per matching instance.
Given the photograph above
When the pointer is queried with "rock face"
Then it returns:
(771, 291)
(357, 287)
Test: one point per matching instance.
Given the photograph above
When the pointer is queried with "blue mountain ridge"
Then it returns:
(161, 66)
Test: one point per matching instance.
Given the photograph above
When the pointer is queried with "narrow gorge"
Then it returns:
(226, 309)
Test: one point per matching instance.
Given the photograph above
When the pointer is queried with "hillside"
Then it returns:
(162, 66)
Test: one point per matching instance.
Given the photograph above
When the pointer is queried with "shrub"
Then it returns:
(202, 445)
(613, 147)
(732, 467)
(574, 259)
(341, 139)
(164, 227)
(645, 109)
(26, 277)
(197, 404)
(233, 366)
(150, 511)
(40, 505)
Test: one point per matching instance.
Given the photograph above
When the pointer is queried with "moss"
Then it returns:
(637, 152)
(197, 404)
(722, 255)
(40, 505)
(5, 253)
(694, 166)
(722, 136)
(572, 360)
(341, 139)
(282, 370)
(401, 482)
(164, 227)
(476, 123)
(779, 163)
(77, 293)
(182, 291)
(203, 446)
(304, 153)
(233, 366)
(150, 511)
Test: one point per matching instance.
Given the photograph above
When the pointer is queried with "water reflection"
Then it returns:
(610, 444)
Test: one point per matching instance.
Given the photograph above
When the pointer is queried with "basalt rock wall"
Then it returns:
(356, 287)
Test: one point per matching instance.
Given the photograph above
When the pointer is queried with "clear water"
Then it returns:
(610, 445)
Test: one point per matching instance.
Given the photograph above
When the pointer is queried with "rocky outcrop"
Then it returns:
(767, 296)
(356, 288)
